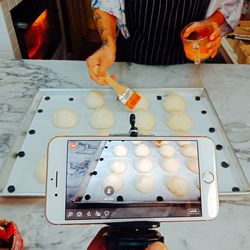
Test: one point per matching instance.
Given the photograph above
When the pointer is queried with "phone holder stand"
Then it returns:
(132, 235)
(133, 130)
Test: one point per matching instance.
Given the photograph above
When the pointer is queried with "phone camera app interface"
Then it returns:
(132, 179)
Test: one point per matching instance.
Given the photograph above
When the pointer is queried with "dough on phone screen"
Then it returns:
(174, 102)
(189, 151)
(167, 151)
(118, 166)
(102, 118)
(193, 165)
(94, 99)
(40, 169)
(179, 121)
(183, 143)
(120, 151)
(144, 184)
(144, 165)
(136, 142)
(171, 165)
(159, 143)
(142, 150)
(177, 185)
(114, 180)
(65, 118)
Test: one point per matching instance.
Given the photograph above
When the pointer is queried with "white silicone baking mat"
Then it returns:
(17, 175)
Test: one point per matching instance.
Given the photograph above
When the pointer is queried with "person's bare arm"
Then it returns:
(105, 55)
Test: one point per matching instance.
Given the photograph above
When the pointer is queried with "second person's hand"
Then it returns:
(104, 58)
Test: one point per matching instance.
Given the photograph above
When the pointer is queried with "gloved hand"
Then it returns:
(214, 41)
(104, 58)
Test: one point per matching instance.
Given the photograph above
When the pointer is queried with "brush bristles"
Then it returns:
(133, 100)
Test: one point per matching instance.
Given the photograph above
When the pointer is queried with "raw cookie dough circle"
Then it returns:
(179, 121)
(174, 102)
(94, 99)
(193, 165)
(120, 151)
(114, 180)
(144, 184)
(40, 170)
(177, 185)
(65, 118)
(171, 165)
(167, 151)
(189, 151)
(142, 150)
(102, 118)
(118, 166)
(145, 120)
(144, 165)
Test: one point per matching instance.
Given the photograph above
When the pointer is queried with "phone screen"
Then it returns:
(116, 179)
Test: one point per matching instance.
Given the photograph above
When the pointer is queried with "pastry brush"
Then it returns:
(124, 94)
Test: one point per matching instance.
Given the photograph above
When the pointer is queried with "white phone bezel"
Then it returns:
(56, 179)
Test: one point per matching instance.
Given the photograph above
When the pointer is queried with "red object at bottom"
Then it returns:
(10, 237)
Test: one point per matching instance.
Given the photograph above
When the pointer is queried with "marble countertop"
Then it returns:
(228, 87)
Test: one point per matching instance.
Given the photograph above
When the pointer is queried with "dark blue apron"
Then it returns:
(155, 27)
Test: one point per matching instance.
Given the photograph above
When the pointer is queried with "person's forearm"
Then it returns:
(106, 26)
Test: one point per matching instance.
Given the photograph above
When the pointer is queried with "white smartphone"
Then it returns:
(122, 179)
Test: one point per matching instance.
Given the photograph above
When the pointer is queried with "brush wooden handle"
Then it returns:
(119, 89)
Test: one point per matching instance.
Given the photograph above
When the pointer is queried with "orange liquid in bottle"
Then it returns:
(195, 44)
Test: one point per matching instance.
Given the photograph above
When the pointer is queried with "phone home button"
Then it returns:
(208, 177)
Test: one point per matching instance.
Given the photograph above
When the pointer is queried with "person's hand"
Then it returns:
(99, 243)
(104, 58)
(214, 38)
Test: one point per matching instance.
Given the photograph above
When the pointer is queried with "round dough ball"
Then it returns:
(114, 180)
(103, 132)
(142, 150)
(40, 170)
(189, 151)
(94, 99)
(118, 166)
(174, 102)
(171, 165)
(167, 151)
(183, 143)
(136, 142)
(177, 185)
(144, 184)
(193, 165)
(143, 104)
(159, 143)
(65, 118)
(120, 151)
(179, 121)
(102, 118)
(145, 120)
(144, 165)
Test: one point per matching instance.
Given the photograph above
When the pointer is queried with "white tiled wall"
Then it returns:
(9, 48)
